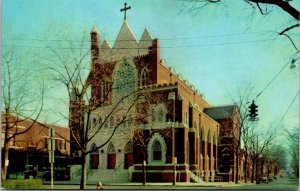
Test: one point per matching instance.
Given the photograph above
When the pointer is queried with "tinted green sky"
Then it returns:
(218, 49)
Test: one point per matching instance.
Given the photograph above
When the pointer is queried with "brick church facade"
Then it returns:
(171, 122)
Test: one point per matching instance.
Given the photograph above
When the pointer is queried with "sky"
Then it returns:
(218, 49)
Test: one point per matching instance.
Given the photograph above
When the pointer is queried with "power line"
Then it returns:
(287, 110)
(175, 38)
(276, 75)
(180, 46)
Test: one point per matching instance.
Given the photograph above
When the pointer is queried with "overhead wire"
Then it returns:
(276, 75)
(179, 46)
(161, 39)
(289, 107)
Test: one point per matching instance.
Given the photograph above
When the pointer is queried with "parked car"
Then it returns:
(262, 179)
(30, 170)
(270, 179)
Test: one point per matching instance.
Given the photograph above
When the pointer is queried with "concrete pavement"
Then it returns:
(281, 184)
(136, 186)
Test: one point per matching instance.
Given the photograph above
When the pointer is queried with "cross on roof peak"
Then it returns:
(125, 10)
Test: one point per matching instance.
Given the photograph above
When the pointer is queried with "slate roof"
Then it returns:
(220, 112)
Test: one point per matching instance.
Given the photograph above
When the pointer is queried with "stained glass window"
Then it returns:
(125, 81)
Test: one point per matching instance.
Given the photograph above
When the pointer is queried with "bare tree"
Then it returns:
(293, 149)
(84, 82)
(240, 125)
(258, 146)
(21, 100)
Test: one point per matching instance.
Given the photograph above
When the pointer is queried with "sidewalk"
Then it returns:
(150, 185)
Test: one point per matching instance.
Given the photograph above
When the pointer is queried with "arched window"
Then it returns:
(106, 87)
(160, 115)
(209, 149)
(94, 123)
(153, 114)
(144, 77)
(156, 151)
(203, 147)
(94, 157)
(125, 81)
(111, 122)
(100, 122)
(111, 156)
(128, 155)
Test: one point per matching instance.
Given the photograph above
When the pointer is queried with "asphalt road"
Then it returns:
(280, 184)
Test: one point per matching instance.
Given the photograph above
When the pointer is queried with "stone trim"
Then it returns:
(161, 140)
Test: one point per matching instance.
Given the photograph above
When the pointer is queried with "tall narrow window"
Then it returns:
(100, 122)
(161, 115)
(209, 149)
(111, 122)
(156, 151)
(111, 156)
(144, 77)
(128, 155)
(94, 157)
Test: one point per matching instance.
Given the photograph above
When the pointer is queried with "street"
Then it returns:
(282, 183)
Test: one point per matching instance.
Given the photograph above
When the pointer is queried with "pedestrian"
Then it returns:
(99, 186)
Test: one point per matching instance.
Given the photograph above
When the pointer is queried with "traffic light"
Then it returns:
(253, 111)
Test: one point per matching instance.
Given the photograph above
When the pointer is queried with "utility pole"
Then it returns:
(256, 165)
(51, 148)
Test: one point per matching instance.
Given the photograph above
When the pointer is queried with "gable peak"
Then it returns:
(95, 30)
(105, 44)
(146, 35)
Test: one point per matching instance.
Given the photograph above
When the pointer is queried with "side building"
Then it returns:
(31, 147)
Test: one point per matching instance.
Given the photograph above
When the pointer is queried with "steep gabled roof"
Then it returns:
(126, 45)
(105, 45)
(145, 42)
(220, 112)
(125, 37)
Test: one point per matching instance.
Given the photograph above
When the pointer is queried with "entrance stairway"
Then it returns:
(195, 178)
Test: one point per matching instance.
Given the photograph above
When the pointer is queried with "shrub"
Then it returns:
(22, 184)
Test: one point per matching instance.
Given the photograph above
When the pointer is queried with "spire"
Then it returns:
(94, 30)
(145, 42)
(105, 45)
(105, 49)
(146, 35)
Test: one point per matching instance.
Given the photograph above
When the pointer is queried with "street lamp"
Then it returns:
(171, 96)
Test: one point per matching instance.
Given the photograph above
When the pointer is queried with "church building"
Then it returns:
(167, 135)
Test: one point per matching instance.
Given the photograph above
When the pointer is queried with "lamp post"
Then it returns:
(171, 96)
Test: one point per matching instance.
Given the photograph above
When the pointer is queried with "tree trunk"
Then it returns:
(252, 173)
(262, 168)
(245, 167)
(237, 165)
(83, 171)
(144, 174)
(5, 156)
(144, 169)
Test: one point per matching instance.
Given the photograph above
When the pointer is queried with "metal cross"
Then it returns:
(125, 9)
